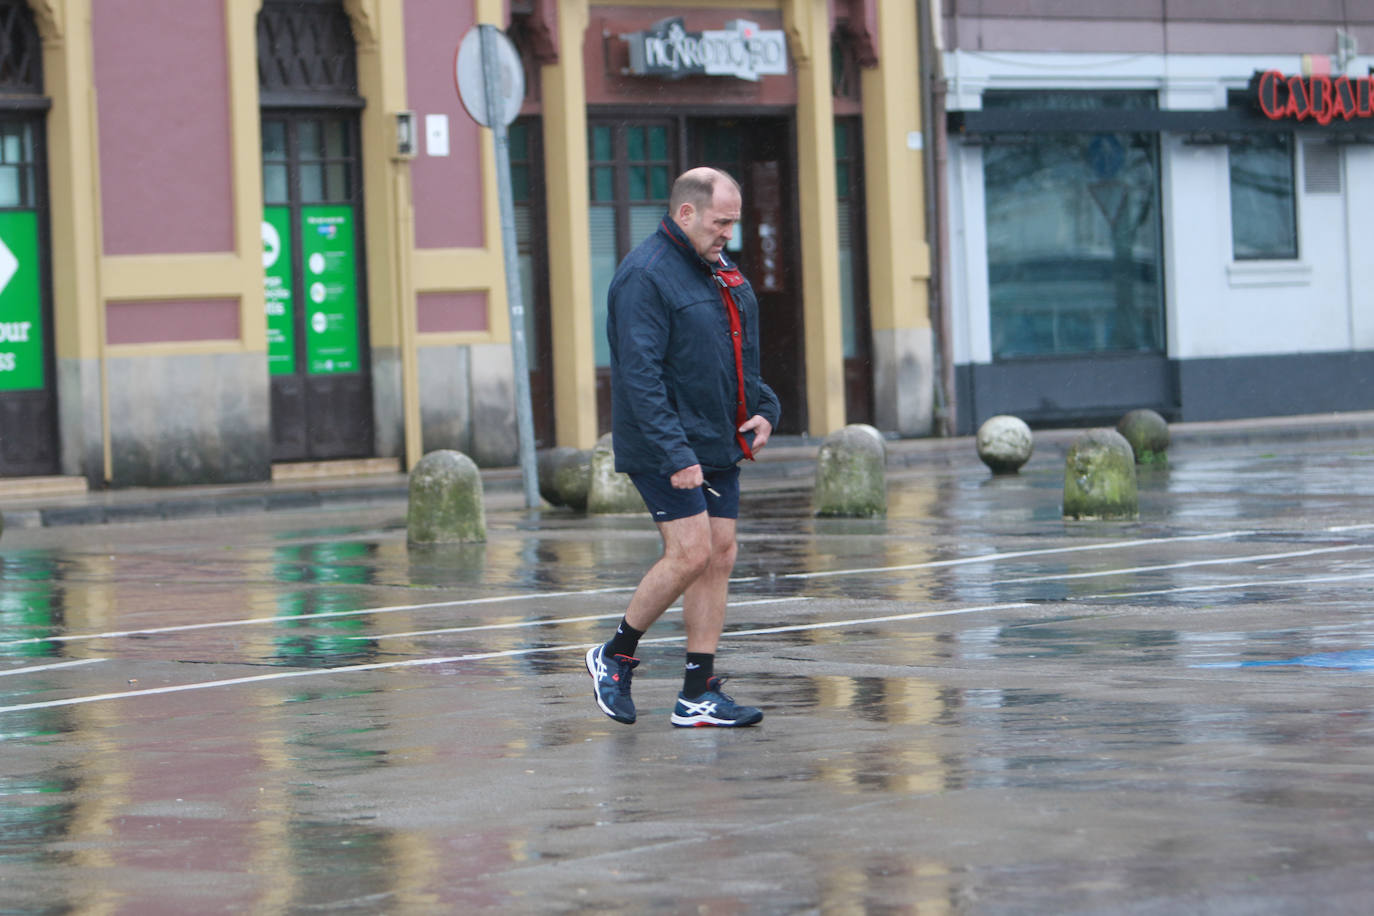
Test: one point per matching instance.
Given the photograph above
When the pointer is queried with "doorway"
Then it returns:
(317, 348)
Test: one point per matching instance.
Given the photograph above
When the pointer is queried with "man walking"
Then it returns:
(687, 405)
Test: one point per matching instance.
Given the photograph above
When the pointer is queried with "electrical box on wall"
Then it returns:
(405, 135)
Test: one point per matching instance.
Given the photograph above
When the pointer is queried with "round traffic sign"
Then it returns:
(470, 76)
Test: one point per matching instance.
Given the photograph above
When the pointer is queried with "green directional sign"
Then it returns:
(331, 289)
(21, 304)
(276, 265)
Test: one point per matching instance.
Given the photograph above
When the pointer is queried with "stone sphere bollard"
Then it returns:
(1148, 434)
(445, 500)
(610, 492)
(851, 470)
(1004, 443)
(565, 476)
(1099, 477)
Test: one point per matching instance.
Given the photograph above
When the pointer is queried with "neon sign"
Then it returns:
(1321, 98)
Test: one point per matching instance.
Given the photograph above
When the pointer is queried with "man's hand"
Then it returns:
(688, 478)
(762, 430)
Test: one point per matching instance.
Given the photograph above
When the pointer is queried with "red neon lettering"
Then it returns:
(1299, 99)
(1321, 99)
(1343, 99)
(1364, 88)
(1270, 84)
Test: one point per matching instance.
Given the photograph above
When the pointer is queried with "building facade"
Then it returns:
(1159, 205)
(246, 235)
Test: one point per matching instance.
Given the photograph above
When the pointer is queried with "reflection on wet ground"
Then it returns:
(966, 702)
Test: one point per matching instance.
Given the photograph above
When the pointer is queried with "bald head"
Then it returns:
(698, 187)
(705, 204)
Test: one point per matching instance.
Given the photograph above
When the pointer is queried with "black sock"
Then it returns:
(700, 666)
(625, 641)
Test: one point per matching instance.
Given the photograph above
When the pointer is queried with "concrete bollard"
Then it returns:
(851, 470)
(1099, 477)
(565, 476)
(610, 492)
(1148, 434)
(1004, 443)
(445, 500)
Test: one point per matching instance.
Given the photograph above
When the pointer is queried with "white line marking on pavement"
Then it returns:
(557, 621)
(1223, 561)
(1262, 583)
(474, 657)
(32, 669)
(1018, 554)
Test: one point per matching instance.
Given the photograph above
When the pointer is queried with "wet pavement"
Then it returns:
(972, 706)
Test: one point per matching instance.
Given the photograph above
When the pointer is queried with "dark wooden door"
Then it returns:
(758, 152)
(28, 404)
(316, 291)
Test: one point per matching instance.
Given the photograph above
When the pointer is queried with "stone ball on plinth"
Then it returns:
(1005, 443)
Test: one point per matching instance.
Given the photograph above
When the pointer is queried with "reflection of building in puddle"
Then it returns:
(30, 607)
(307, 632)
(896, 760)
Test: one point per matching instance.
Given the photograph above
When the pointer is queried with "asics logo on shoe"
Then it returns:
(704, 708)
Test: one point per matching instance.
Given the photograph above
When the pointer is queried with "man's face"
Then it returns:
(711, 228)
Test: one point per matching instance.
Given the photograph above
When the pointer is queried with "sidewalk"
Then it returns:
(788, 457)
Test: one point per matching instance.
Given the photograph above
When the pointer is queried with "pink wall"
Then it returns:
(171, 321)
(162, 69)
(438, 313)
(447, 189)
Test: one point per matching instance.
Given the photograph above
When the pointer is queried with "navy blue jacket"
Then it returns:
(673, 383)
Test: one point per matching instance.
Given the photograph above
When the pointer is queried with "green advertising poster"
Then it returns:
(276, 265)
(331, 294)
(21, 303)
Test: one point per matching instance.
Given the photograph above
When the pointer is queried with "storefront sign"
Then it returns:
(1321, 98)
(276, 265)
(21, 305)
(331, 300)
(741, 50)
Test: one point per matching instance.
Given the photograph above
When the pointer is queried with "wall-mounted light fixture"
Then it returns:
(405, 135)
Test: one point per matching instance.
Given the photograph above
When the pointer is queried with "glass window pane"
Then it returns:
(336, 181)
(336, 140)
(603, 183)
(1074, 245)
(312, 184)
(520, 183)
(841, 141)
(11, 194)
(274, 189)
(518, 139)
(308, 135)
(601, 144)
(842, 178)
(12, 147)
(658, 143)
(274, 139)
(639, 182)
(634, 144)
(658, 183)
(847, 318)
(602, 237)
(644, 222)
(1263, 217)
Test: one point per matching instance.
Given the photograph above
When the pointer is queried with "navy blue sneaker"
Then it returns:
(713, 708)
(611, 687)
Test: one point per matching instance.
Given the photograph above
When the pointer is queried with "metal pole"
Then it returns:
(524, 413)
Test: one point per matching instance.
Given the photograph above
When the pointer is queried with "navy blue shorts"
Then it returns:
(719, 498)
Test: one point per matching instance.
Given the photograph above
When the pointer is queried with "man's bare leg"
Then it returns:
(686, 557)
(703, 603)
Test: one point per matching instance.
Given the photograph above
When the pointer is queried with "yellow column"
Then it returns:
(808, 28)
(74, 189)
(570, 256)
(379, 29)
(898, 253)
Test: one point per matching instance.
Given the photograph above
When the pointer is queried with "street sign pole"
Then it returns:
(496, 111)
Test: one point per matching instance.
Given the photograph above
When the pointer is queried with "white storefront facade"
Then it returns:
(1136, 230)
